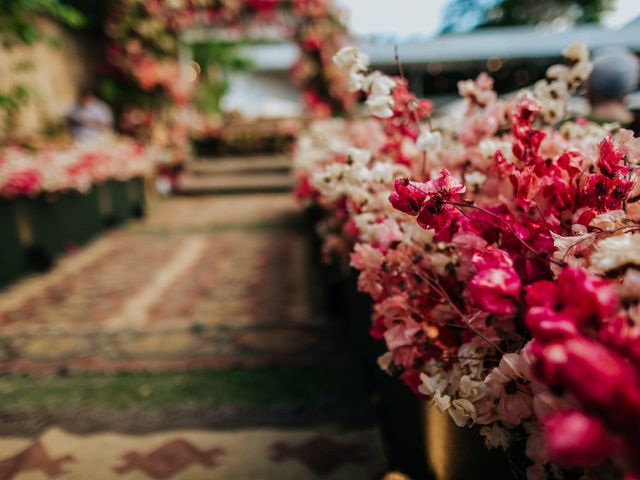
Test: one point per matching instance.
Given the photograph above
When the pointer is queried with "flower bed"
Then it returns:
(55, 170)
(500, 249)
(57, 199)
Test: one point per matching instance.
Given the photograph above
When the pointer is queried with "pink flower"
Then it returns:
(22, 182)
(506, 385)
(387, 232)
(365, 257)
(577, 440)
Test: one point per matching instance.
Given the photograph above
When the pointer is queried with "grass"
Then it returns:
(310, 386)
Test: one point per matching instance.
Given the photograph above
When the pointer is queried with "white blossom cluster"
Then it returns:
(377, 85)
(562, 81)
(356, 179)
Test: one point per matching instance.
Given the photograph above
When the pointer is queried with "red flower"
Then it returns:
(527, 140)
(304, 189)
(608, 189)
(605, 193)
(609, 159)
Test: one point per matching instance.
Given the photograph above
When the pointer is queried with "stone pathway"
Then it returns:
(220, 290)
(205, 282)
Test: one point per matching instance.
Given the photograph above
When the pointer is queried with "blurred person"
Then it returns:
(616, 72)
(90, 117)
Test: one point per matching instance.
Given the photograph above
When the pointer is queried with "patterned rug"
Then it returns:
(192, 454)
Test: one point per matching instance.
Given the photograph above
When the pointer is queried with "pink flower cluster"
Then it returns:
(28, 173)
(503, 255)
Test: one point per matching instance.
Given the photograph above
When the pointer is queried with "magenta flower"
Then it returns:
(552, 310)
(430, 201)
(409, 196)
(496, 286)
(575, 439)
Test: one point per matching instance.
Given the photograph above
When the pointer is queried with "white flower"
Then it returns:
(553, 111)
(576, 51)
(466, 88)
(615, 252)
(475, 179)
(440, 262)
(428, 141)
(356, 79)
(385, 361)
(568, 249)
(379, 84)
(348, 57)
(496, 436)
(442, 402)
(489, 147)
(462, 411)
(382, 172)
(432, 384)
(471, 390)
(359, 156)
(580, 72)
(558, 89)
(609, 221)
(380, 106)
(558, 72)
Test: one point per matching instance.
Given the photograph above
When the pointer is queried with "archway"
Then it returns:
(147, 54)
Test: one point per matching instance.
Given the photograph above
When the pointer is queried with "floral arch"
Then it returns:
(145, 38)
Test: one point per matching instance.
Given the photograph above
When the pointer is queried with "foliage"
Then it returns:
(16, 19)
(216, 60)
(463, 15)
(17, 27)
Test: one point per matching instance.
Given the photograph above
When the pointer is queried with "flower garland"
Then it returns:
(27, 173)
(503, 261)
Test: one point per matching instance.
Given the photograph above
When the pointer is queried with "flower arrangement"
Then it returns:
(51, 170)
(502, 252)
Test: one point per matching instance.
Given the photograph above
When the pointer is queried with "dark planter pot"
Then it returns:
(62, 221)
(120, 210)
(456, 453)
(12, 252)
(122, 200)
(136, 198)
(399, 410)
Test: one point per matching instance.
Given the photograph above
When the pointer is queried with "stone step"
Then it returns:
(232, 183)
(228, 165)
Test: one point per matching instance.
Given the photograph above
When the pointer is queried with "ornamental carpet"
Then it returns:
(189, 345)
